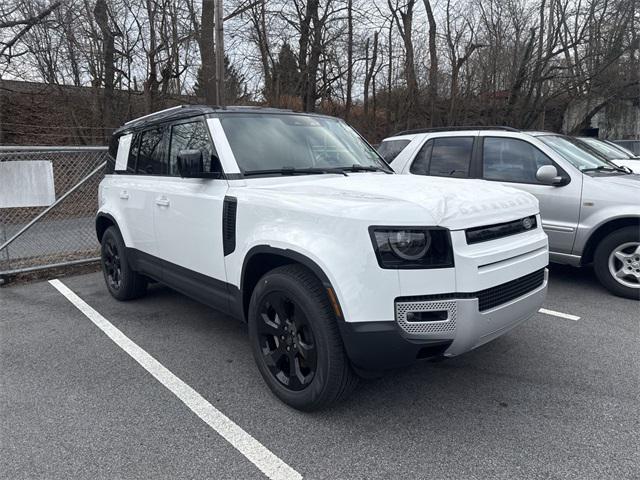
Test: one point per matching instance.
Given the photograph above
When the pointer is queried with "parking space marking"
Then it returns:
(272, 466)
(559, 314)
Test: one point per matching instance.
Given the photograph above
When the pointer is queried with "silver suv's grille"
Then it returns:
(499, 230)
(404, 309)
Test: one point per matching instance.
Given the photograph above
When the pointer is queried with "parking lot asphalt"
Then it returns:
(554, 398)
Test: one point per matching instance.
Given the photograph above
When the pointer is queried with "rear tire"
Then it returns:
(296, 342)
(122, 281)
(617, 262)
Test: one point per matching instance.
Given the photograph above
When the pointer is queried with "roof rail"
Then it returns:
(455, 129)
(166, 110)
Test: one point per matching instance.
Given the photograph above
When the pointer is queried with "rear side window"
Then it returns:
(150, 152)
(444, 157)
(189, 136)
(390, 149)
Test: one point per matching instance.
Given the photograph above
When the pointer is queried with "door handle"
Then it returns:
(162, 202)
(124, 195)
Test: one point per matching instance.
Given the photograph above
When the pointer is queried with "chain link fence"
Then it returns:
(34, 238)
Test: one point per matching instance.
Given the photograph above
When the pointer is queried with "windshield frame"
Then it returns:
(374, 159)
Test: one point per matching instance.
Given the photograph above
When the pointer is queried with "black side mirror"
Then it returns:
(191, 164)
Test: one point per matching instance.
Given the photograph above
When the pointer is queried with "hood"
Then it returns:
(626, 182)
(632, 163)
(398, 199)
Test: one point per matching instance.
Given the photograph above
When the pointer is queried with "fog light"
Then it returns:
(432, 316)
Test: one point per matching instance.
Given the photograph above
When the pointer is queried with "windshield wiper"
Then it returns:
(365, 168)
(295, 171)
(605, 168)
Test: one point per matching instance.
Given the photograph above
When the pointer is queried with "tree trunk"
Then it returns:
(108, 57)
(347, 108)
(370, 71)
(433, 62)
(207, 51)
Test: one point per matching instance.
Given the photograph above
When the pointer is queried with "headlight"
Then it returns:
(418, 247)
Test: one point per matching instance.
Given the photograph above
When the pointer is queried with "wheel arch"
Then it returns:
(264, 258)
(601, 232)
(104, 221)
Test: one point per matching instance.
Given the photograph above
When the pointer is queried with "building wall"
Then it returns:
(618, 120)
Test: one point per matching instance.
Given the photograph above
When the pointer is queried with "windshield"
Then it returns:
(624, 150)
(609, 152)
(274, 142)
(569, 149)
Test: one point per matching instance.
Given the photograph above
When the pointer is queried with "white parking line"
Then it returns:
(559, 314)
(254, 451)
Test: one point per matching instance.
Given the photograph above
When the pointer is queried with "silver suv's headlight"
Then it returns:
(412, 247)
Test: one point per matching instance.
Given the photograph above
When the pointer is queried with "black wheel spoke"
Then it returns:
(111, 261)
(287, 341)
(273, 357)
(270, 326)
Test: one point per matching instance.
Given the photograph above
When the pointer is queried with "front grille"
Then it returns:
(499, 230)
(494, 296)
(490, 297)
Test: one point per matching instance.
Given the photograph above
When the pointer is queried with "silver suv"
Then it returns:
(590, 208)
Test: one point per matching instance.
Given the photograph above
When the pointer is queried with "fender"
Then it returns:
(297, 258)
(99, 230)
(115, 219)
(587, 239)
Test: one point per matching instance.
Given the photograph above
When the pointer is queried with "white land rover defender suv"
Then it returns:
(294, 224)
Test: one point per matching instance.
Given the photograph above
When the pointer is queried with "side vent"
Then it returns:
(229, 210)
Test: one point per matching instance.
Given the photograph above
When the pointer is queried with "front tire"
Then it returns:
(296, 342)
(617, 262)
(122, 281)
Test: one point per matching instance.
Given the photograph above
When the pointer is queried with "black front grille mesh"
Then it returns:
(499, 230)
(490, 297)
(494, 296)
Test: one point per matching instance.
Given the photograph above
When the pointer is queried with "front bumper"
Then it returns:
(467, 324)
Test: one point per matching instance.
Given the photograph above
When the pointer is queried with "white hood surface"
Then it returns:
(399, 199)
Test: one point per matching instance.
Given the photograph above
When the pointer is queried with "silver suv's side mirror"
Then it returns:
(548, 174)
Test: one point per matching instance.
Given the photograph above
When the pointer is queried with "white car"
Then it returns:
(293, 224)
(590, 207)
(614, 153)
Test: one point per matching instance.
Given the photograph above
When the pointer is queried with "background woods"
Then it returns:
(384, 65)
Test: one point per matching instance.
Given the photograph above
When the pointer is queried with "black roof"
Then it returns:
(186, 111)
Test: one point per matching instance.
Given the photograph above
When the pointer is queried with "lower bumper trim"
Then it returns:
(378, 346)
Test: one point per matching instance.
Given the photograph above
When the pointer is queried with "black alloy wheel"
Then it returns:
(111, 261)
(287, 341)
(296, 341)
(122, 281)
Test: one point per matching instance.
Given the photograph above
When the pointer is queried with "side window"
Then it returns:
(189, 136)
(133, 153)
(511, 160)
(389, 150)
(150, 152)
(420, 165)
(451, 157)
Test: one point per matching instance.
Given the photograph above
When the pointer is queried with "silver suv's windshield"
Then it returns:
(569, 149)
(292, 144)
